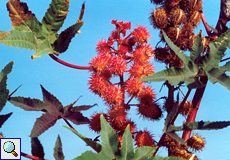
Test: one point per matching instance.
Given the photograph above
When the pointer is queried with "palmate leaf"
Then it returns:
(176, 137)
(143, 153)
(58, 154)
(32, 34)
(4, 92)
(37, 148)
(175, 75)
(93, 144)
(53, 109)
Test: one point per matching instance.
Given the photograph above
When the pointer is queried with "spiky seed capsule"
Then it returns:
(112, 95)
(173, 3)
(149, 111)
(141, 34)
(196, 142)
(133, 86)
(187, 108)
(194, 18)
(96, 123)
(177, 16)
(158, 18)
(144, 138)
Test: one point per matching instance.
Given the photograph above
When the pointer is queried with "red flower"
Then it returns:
(141, 34)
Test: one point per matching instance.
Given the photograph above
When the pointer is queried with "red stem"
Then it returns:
(205, 23)
(31, 157)
(196, 103)
(68, 64)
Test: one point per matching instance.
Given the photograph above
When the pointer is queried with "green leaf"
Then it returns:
(143, 153)
(4, 92)
(20, 39)
(127, 150)
(217, 75)
(225, 67)
(58, 154)
(28, 104)
(217, 49)
(62, 43)
(198, 49)
(96, 146)
(44, 48)
(37, 148)
(82, 107)
(201, 125)
(176, 137)
(89, 155)
(109, 140)
(55, 106)
(42, 124)
(54, 18)
(3, 118)
(173, 128)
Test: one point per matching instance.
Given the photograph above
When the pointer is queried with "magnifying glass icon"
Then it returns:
(9, 147)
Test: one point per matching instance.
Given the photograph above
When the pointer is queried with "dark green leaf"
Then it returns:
(109, 140)
(165, 158)
(42, 124)
(127, 150)
(217, 49)
(82, 107)
(28, 104)
(55, 106)
(176, 137)
(96, 146)
(4, 92)
(173, 128)
(143, 153)
(226, 67)
(37, 148)
(58, 154)
(54, 18)
(3, 118)
(217, 75)
(201, 125)
(198, 49)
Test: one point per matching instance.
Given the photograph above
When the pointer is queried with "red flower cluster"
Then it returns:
(124, 56)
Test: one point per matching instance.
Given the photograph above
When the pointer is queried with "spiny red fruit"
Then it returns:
(149, 111)
(102, 46)
(146, 95)
(138, 70)
(113, 95)
(142, 53)
(144, 138)
(96, 123)
(133, 86)
(97, 84)
(117, 65)
(100, 62)
(141, 34)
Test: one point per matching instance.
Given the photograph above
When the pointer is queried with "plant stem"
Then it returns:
(205, 23)
(31, 157)
(69, 124)
(196, 103)
(68, 64)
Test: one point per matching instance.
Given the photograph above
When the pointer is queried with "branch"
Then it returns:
(31, 157)
(68, 64)
(196, 103)
(205, 23)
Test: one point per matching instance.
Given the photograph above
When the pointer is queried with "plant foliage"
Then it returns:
(53, 110)
(197, 64)
(28, 32)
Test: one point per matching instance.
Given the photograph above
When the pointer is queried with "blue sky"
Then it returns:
(68, 84)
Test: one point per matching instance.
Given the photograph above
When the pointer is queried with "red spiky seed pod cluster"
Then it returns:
(178, 18)
(96, 123)
(123, 56)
